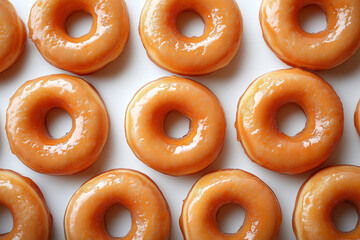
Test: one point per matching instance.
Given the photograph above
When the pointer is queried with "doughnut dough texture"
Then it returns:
(171, 50)
(144, 126)
(212, 191)
(12, 35)
(31, 217)
(86, 54)
(28, 135)
(260, 136)
(319, 196)
(316, 51)
(85, 213)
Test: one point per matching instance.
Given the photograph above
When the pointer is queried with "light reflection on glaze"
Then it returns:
(6, 184)
(252, 233)
(200, 136)
(12, 35)
(145, 133)
(31, 217)
(317, 51)
(191, 55)
(135, 191)
(105, 41)
(318, 197)
(257, 127)
(271, 11)
(27, 133)
(198, 217)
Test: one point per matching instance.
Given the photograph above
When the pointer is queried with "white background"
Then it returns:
(119, 81)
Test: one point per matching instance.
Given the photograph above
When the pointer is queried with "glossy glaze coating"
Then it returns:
(317, 51)
(29, 138)
(171, 50)
(85, 213)
(31, 217)
(257, 127)
(263, 214)
(89, 53)
(12, 35)
(357, 118)
(144, 126)
(317, 199)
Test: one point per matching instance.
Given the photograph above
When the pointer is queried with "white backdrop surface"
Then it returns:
(119, 81)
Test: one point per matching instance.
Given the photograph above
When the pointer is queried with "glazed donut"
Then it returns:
(145, 117)
(84, 217)
(357, 118)
(89, 53)
(13, 35)
(212, 191)
(171, 50)
(31, 217)
(27, 133)
(260, 136)
(319, 51)
(317, 199)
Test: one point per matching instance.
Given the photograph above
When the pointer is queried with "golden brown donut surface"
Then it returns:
(317, 51)
(31, 217)
(145, 133)
(171, 50)
(29, 138)
(317, 199)
(263, 213)
(84, 217)
(357, 118)
(257, 127)
(12, 35)
(89, 53)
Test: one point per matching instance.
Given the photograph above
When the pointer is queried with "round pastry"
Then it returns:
(263, 214)
(171, 50)
(257, 127)
(29, 138)
(357, 118)
(89, 53)
(317, 51)
(84, 217)
(317, 199)
(12, 35)
(31, 216)
(144, 126)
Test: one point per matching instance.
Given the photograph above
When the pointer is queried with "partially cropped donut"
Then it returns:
(29, 138)
(317, 199)
(171, 50)
(89, 53)
(317, 51)
(357, 118)
(12, 35)
(84, 217)
(212, 191)
(260, 136)
(144, 126)
(31, 217)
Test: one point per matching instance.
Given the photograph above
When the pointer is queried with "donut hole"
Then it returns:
(58, 123)
(176, 125)
(190, 24)
(230, 218)
(312, 19)
(291, 119)
(345, 217)
(118, 221)
(6, 220)
(79, 24)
